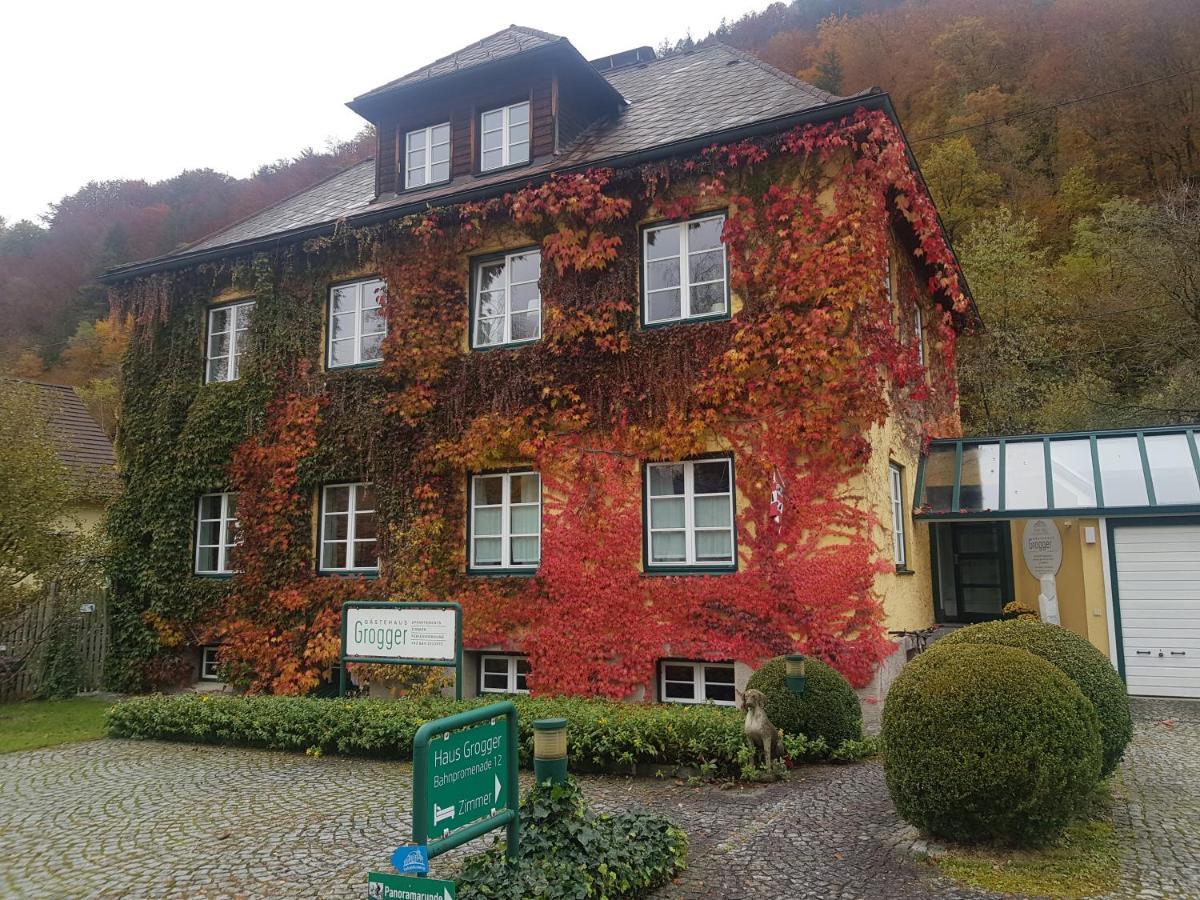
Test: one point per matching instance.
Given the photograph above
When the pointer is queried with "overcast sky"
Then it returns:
(122, 89)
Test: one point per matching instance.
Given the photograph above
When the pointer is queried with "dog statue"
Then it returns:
(761, 735)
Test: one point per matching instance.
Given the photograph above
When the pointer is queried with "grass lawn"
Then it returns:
(45, 723)
(1083, 862)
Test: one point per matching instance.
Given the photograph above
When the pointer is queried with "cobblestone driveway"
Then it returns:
(126, 819)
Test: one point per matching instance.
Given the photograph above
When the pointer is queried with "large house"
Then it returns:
(634, 358)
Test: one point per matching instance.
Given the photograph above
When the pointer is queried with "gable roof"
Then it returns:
(675, 104)
(504, 43)
(81, 443)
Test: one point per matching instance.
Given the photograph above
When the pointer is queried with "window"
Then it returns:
(504, 136)
(506, 521)
(690, 514)
(208, 663)
(688, 682)
(683, 268)
(216, 534)
(919, 334)
(427, 155)
(896, 483)
(227, 327)
(508, 301)
(973, 572)
(503, 675)
(356, 324)
(348, 528)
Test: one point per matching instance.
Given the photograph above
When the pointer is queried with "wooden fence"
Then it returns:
(23, 641)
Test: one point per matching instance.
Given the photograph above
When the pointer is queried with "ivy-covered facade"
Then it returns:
(631, 367)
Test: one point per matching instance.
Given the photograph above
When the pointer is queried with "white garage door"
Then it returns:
(1158, 588)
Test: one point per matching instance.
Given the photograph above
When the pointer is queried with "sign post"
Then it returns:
(465, 778)
(402, 634)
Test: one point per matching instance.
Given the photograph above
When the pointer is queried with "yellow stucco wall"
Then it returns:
(1082, 604)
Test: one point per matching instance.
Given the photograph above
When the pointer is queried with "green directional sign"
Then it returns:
(383, 886)
(468, 775)
(465, 778)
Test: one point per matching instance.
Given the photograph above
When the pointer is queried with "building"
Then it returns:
(634, 358)
(85, 450)
(1103, 527)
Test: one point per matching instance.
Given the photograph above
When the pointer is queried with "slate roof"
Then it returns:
(81, 443)
(507, 42)
(677, 98)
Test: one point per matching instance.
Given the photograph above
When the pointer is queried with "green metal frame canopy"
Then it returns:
(1130, 472)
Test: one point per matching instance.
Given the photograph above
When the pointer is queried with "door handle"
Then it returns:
(1143, 653)
(1179, 653)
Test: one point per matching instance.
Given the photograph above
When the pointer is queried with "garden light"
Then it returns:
(550, 750)
(794, 673)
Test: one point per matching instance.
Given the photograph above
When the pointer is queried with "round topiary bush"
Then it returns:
(828, 708)
(988, 743)
(1079, 660)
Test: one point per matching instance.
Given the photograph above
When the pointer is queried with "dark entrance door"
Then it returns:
(973, 562)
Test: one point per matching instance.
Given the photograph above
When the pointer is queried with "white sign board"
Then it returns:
(400, 633)
(1041, 546)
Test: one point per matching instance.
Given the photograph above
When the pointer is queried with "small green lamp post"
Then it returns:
(794, 673)
(550, 750)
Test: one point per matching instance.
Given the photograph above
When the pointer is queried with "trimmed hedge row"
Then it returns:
(603, 735)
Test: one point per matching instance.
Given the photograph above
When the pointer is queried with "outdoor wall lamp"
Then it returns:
(794, 673)
(550, 750)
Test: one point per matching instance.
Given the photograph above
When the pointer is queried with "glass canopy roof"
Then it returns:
(1138, 472)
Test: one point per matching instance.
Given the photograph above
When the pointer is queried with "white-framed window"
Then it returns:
(508, 301)
(684, 271)
(356, 323)
(697, 682)
(348, 528)
(227, 327)
(208, 663)
(216, 533)
(504, 136)
(690, 513)
(503, 674)
(427, 155)
(896, 489)
(506, 521)
(919, 333)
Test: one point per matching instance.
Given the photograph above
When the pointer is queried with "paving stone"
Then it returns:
(146, 819)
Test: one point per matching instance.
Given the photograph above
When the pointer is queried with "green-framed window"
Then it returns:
(685, 271)
(689, 509)
(506, 301)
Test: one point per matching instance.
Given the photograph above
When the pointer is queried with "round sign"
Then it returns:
(1041, 546)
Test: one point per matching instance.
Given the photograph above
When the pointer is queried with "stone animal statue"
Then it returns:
(761, 735)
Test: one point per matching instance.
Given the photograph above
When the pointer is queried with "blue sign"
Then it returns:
(412, 859)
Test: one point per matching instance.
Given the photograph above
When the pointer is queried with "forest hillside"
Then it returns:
(1061, 140)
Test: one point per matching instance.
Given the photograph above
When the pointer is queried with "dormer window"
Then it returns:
(427, 156)
(504, 137)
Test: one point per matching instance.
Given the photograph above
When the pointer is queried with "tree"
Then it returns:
(961, 187)
(35, 489)
(829, 72)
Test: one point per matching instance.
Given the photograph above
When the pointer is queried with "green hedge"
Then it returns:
(569, 852)
(1079, 661)
(983, 742)
(828, 709)
(603, 735)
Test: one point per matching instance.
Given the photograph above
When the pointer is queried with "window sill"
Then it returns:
(218, 576)
(511, 345)
(690, 570)
(502, 573)
(348, 573)
(904, 570)
(374, 364)
(691, 320)
(484, 173)
(421, 187)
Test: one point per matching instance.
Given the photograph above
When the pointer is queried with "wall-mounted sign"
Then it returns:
(1041, 546)
(401, 632)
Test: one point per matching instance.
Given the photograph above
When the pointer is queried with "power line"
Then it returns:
(1034, 112)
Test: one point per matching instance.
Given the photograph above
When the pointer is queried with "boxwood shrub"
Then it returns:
(569, 852)
(603, 735)
(1079, 660)
(989, 743)
(827, 710)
